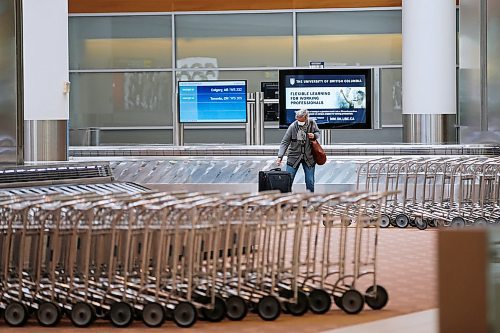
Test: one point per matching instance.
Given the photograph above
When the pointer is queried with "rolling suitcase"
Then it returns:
(275, 179)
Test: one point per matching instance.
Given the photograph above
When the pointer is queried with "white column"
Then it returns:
(46, 61)
(429, 67)
(46, 79)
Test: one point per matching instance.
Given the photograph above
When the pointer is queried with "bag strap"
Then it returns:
(309, 128)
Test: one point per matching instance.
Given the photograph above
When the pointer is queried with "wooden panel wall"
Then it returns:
(110, 6)
(463, 265)
(113, 6)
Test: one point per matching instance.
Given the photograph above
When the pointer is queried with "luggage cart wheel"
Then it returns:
(433, 223)
(376, 299)
(385, 221)
(217, 313)
(153, 315)
(346, 222)
(352, 302)
(457, 222)
(402, 220)
(299, 308)
(101, 313)
(48, 314)
(480, 221)
(15, 314)
(121, 314)
(185, 314)
(236, 307)
(169, 313)
(338, 301)
(269, 308)
(320, 301)
(420, 223)
(82, 314)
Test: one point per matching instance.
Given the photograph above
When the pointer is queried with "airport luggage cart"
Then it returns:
(397, 175)
(327, 247)
(186, 242)
(490, 192)
(15, 283)
(257, 264)
(239, 254)
(324, 232)
(474, 192)
(448, 191)
(38, 258)
(346, 290)
(153, 255)
(414, 179)
(179, 287)
(432, 206)
(27, 261)
(254, 262)
(370, 171)
(277, 269)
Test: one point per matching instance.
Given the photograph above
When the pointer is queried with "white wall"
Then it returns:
(46, 64)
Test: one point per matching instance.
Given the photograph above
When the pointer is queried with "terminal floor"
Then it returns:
(407, 262)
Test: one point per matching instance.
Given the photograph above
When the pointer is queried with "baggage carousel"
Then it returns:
(236, 168)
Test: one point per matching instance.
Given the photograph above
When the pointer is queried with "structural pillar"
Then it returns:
(46, 80)
(429, 71)
(11, 108)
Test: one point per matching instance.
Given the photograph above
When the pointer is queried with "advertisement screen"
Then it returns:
(335, 98)
(212, 101)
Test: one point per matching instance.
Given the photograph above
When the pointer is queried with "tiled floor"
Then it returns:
(419, 322)
(407, 269)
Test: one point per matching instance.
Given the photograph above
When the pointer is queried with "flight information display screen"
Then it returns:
(335, 98)
(212, 101)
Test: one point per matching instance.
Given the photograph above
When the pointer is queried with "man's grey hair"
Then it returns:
(301, 113)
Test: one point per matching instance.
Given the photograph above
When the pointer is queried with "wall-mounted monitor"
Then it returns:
(335, 98)
(212, 101)
(270, 91)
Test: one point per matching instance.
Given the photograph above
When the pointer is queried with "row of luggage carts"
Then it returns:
(156, 256)
(435, 191)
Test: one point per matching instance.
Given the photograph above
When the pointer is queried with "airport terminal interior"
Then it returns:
(322, 166)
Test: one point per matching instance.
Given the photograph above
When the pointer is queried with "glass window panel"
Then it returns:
(391, 96)
(349, 38)
(273, 136)
(120, 42)
(234, 40)
(129, 137)
(349, 23)
(254, 78)
(121, 99)
(214, 136)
